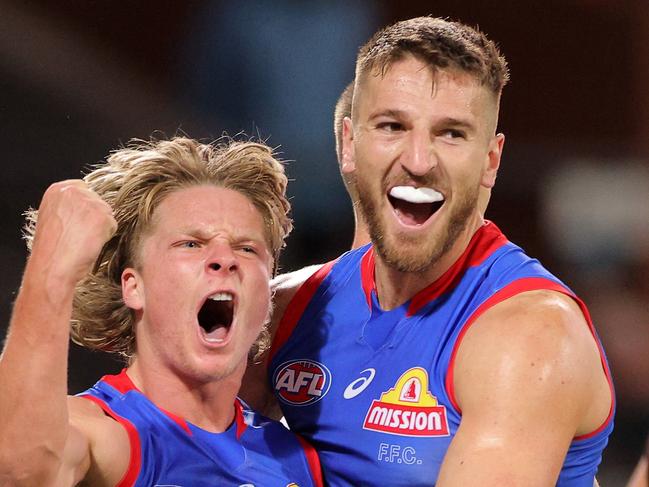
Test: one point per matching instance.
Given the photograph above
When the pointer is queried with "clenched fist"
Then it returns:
(73, 225)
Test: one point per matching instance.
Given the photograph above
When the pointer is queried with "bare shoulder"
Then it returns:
(107, 439)
(528, 379)
(542, 321)
(539, 339)
(542, 313)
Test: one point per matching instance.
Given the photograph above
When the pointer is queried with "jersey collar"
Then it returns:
(123, 383)
(484, 242)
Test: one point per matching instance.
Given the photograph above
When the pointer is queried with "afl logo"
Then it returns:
(301, 382)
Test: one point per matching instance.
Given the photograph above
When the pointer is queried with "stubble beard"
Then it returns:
(411, 254)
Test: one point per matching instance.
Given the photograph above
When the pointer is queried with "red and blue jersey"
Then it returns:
(166, 450)
(372, 390)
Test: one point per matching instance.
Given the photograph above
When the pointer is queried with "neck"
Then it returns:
(208, 405)
(394, 287)
(361, 232)
(361, 237)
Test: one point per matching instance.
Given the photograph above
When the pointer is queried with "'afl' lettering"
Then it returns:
(301, 382)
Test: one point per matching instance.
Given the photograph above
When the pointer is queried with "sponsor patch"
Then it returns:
(301, 382)
(408, 409)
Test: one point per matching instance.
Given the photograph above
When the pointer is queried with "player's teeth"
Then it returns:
(416, 195)
(221, 297)
(214, 340)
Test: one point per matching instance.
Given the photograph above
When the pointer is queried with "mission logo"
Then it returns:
(408, 409)
(301, 382)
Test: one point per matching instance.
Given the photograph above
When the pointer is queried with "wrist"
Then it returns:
(52, 291)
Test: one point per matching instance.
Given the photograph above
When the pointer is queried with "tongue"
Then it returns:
(412, 213)
(218, 334)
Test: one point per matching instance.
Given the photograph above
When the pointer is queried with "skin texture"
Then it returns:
(527, 376)
(518, 439)
(640, 475)
(413, 128)
(209, 239)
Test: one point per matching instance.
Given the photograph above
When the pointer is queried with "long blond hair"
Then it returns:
(134, 180)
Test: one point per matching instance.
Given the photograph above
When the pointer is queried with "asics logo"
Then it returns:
(360, 384)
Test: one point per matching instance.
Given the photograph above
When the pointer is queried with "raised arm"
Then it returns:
(255, 389)
(38, 444)
(528, 379)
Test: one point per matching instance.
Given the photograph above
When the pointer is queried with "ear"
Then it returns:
(493, 161)
(347, 160)
(132, 289)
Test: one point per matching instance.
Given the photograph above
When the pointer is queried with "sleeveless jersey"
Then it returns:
(372, 390)
(168, 451)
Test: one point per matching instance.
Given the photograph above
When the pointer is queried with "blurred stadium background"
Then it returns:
(80, 77)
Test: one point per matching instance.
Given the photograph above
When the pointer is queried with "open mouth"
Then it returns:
(414, 206)
(215, 317)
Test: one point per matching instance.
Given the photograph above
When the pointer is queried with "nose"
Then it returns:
(419, 158)
(222, 259)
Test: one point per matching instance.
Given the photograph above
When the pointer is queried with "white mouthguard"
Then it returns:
(416, 195)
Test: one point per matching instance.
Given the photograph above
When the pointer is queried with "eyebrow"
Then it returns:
(394, 113)
(237, 236)
(456, 122)
(444, 122)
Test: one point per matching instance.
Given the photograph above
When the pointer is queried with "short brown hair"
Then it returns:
(343, 109)
(133, 181)
(441, 44)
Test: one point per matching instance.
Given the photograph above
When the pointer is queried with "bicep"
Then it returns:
(504, 452)
(98, 448)
(76, 458)
(522, 379)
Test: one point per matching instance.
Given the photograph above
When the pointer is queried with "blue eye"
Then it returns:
(454, 134)
(390, 126)
(190, 244)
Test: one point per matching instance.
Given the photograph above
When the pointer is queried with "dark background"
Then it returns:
(80, 77)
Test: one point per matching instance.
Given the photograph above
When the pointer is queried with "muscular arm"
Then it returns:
(640, 476)
(528, 378)
(38, 444)
(255, 389)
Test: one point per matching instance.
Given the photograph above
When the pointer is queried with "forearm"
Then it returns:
(33, 378)
(73, 225)
(640, 476)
